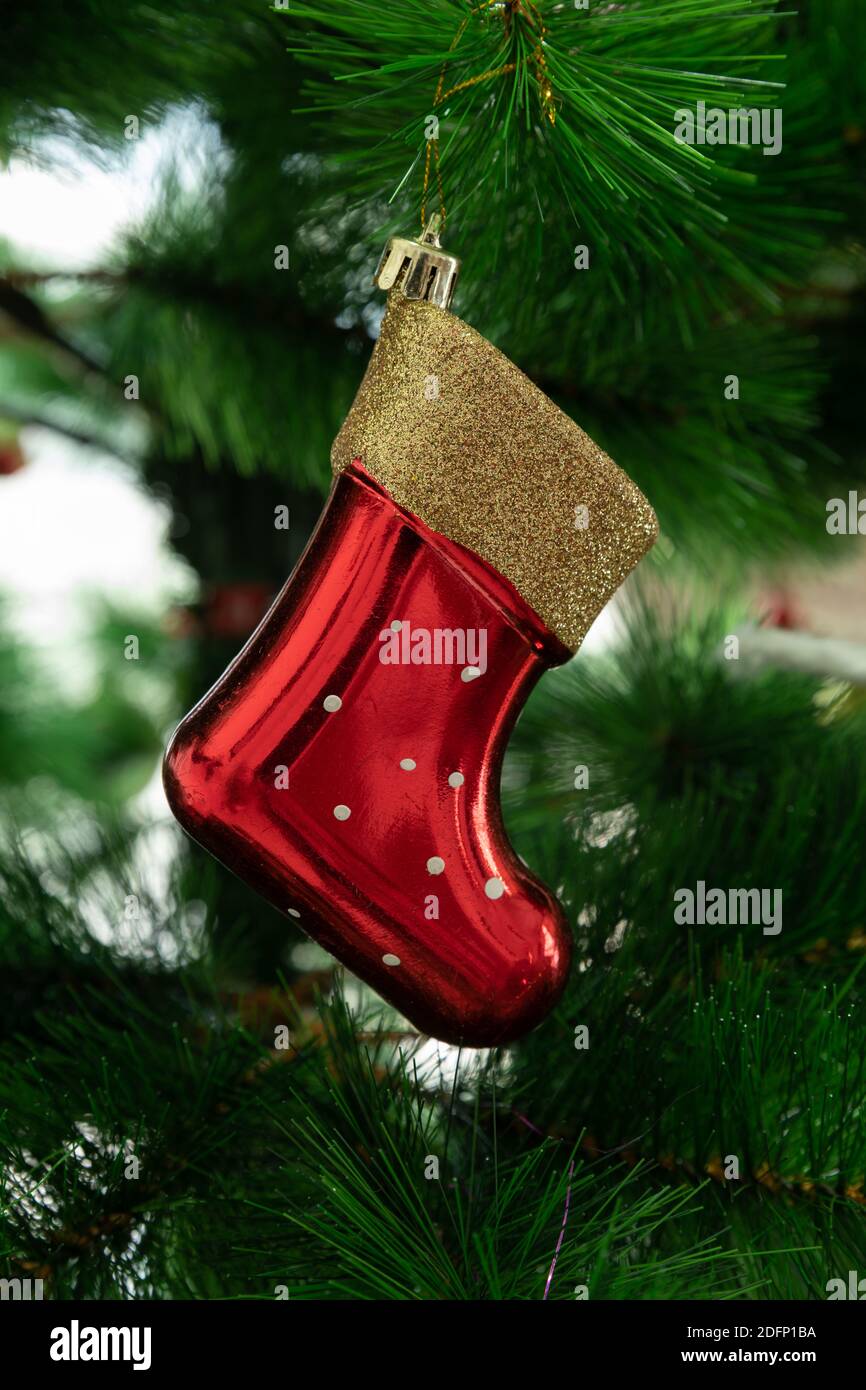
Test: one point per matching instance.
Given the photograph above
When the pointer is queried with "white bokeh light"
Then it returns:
(75, 525)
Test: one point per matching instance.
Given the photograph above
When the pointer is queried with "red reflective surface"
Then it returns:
(400, 890)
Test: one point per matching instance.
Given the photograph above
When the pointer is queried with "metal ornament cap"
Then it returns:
(419, 269)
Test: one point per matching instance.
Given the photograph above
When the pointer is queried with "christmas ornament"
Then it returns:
(11, 457)
(232, 610)
(347, 763)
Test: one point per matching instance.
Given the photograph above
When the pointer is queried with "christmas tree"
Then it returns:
(658, 205)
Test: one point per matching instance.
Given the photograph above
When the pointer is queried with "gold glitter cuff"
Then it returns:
(460, 437)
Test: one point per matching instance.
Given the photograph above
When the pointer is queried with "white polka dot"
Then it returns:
(456, 779)
(332, 703)
(408, 764)
(390, 960)
(494, 888)
(397, 625)
(293, 912)
(470, 673)
(342, 812)
(435, 865)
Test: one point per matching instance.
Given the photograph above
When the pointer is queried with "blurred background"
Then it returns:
(191, 208)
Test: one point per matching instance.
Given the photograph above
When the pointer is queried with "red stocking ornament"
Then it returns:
(347, 763)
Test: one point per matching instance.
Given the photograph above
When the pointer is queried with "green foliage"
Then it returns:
(190, 298)
(696, 772)
(713, 260)
(82, 69)
(309, 1168)
(101, 745)
(737, 1042)
(259, 1169)
(608, 160)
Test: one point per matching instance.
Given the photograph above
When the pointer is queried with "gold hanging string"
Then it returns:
(534, 20)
